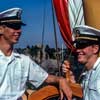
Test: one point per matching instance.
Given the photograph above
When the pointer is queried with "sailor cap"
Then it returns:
(86, 35)
(12, 16)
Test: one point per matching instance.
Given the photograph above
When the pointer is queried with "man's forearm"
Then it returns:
(52, 79)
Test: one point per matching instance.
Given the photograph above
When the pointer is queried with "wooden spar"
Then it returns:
(44, 93)
(92, 13)
(51, 91)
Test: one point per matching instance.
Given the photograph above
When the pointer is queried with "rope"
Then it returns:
(55, 36)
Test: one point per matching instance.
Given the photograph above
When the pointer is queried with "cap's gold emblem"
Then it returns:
(77, 34)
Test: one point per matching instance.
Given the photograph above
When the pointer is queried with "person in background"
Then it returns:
(16, 69)
(87, 43)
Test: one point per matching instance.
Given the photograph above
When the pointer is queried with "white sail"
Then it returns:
(76, 15)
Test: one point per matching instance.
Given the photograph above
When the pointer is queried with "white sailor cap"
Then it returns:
(86, 35)
(11, 16)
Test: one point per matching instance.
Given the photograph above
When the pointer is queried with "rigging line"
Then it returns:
(44, 14)
(43, 29)
(55, 36)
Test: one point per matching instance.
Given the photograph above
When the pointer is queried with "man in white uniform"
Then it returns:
(16, 69)
(87, 43)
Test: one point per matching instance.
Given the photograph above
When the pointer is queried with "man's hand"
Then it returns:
(66, 66)
(65, 90)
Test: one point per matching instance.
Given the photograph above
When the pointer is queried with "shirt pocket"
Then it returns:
(92, 86)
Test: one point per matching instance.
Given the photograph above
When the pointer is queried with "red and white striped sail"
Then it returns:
(69, 13)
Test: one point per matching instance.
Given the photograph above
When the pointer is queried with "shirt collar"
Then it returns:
(96, 63)
(14, 54)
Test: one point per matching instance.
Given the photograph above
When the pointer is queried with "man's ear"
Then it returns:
(1, 30)
(96, 48)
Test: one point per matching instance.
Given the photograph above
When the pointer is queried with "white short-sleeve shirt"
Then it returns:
(15, 71)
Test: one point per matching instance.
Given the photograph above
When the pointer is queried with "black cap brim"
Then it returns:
(15, 25)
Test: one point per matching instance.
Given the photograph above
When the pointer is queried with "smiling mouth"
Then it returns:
(17, 36)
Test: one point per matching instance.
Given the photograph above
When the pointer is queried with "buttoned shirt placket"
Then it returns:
(86, 85)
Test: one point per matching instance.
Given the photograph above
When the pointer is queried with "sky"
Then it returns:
(32, 16)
